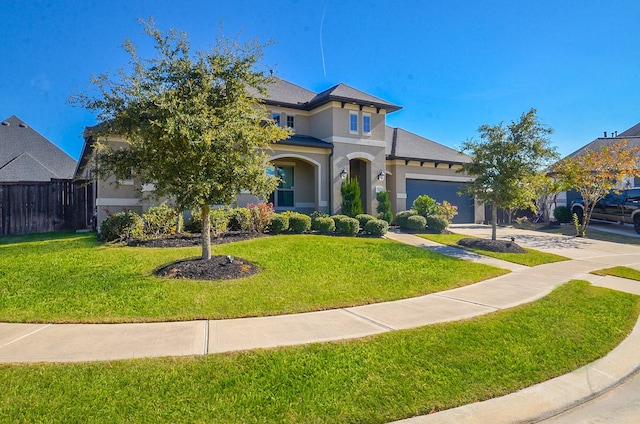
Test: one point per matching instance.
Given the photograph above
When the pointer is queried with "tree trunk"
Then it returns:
(206, 233)
(494, 220)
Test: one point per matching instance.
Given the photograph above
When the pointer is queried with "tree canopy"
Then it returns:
(596, 172)
(193, 122)
(505, 162)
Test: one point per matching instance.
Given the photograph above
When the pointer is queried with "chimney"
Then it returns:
(616, 134)
(605, 134)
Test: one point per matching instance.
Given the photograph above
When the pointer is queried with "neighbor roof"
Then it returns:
(25, 155)
(632, 135)
(285, 94)
(402, 144)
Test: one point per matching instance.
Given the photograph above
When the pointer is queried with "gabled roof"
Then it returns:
(402, 144)
(286, 94)
(632, 135)
(25, 155)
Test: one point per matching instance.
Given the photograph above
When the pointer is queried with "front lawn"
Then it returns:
(531, 258)
(373, 380)
(620, 271)
(71, 277)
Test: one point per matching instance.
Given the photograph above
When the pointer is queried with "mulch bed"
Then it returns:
(216, 268)
(189, 240)
(501, 246)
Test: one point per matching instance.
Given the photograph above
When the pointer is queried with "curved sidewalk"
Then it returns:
(21, 343)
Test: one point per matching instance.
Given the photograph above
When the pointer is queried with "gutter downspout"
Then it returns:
(331, 181)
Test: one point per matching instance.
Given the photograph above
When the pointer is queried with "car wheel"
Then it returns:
(579, 212)
(636, 223)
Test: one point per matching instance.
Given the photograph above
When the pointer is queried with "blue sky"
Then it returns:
(452, 64)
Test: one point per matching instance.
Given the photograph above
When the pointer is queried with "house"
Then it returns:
(337, 133)
(25, 155)
(631, 135)
(37, 193)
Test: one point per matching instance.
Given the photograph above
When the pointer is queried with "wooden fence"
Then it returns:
(36, 207)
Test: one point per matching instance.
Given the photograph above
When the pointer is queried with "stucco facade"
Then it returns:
(337, 133)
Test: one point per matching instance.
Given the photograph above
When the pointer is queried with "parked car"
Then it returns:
(618, 205)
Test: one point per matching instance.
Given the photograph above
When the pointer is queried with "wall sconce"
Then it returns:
(381, 176)
(343, 174)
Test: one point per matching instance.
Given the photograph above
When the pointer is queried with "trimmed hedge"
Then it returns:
(121, 226)
(376, 227)
(403, 216)
(280, 223)
(347, 226)
(325, 225)
(562, 214)
(299, 222)
(416, 223)
(363, 218)
(437, 224)
(160, 220)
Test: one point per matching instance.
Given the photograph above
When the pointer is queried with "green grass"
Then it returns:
(373, 380)
(531, 258)
(73, 278)
(620, 271)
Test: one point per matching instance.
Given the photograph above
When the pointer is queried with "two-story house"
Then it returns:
(337, 133)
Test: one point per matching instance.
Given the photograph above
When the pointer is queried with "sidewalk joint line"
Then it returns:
(386, 327)
(495, 308)
(206, 338)
(25, 336)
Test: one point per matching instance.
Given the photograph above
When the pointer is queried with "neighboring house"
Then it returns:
(339, 132)
(632, 135)
(25, 155)
(37, 193)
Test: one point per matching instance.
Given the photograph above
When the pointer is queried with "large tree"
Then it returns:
(596, 172)
(193, 122)
(505, 162)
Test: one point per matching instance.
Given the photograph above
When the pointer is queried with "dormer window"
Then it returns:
(366, 123)
(353, 122)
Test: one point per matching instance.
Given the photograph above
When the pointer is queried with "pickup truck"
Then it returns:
(619, 206)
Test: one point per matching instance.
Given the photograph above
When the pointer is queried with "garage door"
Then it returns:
(443, 190)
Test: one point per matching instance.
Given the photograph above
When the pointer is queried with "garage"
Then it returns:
(444, 190)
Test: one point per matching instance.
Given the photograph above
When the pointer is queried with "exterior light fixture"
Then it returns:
(381, 176)
(343, 174)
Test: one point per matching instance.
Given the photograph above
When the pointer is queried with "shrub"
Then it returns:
(384, 206)
(280, 223)
(219, 221)
(447, 210)
(325, 225)
(347, 226)
(314, 219)
(239, 219)
(299, 222)
(376, 227)
(160, 220)
(363, 218)
(351, 204)
(261, 216)
(425, 205)
(437, 223)
(562, 214)
(121, 226)
(416, 223)
(402, 216)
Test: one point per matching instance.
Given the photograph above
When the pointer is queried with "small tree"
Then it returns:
(596, 172)
(351, 204)
(384, 206)
(193, 123)
(505, 161)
